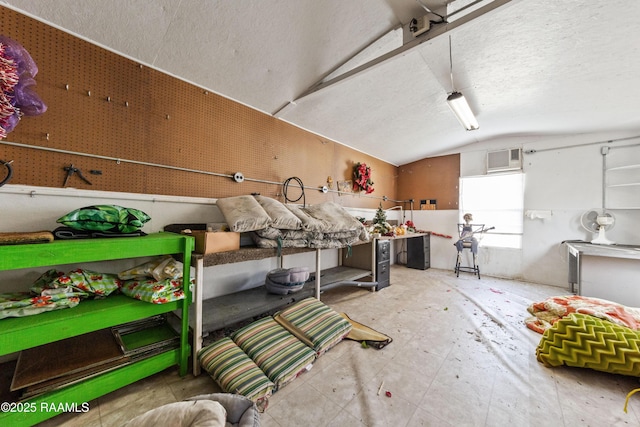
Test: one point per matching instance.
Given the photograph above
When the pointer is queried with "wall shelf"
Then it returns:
(91, 315)
(621, 181)
(367, 266)
(216, 313)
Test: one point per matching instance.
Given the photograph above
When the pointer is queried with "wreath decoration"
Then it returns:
(17, 95)
(362, 178)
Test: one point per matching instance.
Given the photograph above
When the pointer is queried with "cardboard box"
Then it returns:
(218, 241)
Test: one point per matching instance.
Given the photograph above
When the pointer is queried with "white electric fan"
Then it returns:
(598, 222)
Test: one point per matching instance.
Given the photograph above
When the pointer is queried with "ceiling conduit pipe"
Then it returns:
(430, 35)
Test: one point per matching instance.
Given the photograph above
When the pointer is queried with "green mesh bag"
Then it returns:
(584, 341)
(105, 218)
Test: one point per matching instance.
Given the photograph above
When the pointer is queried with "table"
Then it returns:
(610, 272)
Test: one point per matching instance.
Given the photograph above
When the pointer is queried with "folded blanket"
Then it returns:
(159, 268)
(546, 313)
(21, 304)
(153, 291)
(329, 242)
(276, 233)
(309, 223)
(346, 234)
(67, 233)
(323, 226)
(328, 217)
(91, 283)
(278, 243)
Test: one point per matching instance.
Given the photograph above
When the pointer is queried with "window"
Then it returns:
(496, 201)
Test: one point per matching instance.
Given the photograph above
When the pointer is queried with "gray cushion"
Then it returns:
(241, 411)
(280, 289)
(334, 217)
(199, 413)
(281, 217)
(243, 213)
(286, 276)
(308, 223)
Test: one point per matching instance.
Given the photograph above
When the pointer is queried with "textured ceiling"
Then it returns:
(527, 67)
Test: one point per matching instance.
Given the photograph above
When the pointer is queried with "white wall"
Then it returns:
(565, 181)
(563, 176)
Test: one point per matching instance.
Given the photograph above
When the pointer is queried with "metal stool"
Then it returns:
(468, 241)
(475, 269)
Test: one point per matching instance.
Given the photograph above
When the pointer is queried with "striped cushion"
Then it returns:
(234, 371)
(277, 352)
(316, 323)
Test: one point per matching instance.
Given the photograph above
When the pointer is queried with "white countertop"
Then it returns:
(402, 236)
(612, 251)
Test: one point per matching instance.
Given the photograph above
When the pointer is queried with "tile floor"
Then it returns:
(461, 356)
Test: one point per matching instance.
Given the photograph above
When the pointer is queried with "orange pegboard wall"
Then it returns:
(103, 104)
(433, 178)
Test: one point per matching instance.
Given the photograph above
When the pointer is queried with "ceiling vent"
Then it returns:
(504, 160)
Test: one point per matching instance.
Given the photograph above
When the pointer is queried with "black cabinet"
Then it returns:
(418, 252)
(383, 263)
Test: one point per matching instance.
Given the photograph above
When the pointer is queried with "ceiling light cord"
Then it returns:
(458, 103)
(453, 87)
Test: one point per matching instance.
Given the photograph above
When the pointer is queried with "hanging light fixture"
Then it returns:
(458, 103)
(460, 107)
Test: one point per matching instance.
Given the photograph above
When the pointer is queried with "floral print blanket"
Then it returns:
(20, 304)
(55, 290)
(547, 312)
(158, 282)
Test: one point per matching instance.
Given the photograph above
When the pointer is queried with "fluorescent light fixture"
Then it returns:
(460, 108)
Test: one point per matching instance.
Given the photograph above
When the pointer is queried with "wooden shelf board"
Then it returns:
(340, 274)
(247, 253)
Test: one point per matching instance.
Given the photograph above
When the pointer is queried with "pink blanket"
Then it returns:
(546, 313)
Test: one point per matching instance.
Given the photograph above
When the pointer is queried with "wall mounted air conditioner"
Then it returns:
(504, 160)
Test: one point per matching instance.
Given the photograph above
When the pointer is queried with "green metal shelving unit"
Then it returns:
(25, 332)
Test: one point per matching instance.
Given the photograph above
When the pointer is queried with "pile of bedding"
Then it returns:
(275, 225)
(158, 281)
(549, 311)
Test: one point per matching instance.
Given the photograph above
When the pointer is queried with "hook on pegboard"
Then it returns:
(7, 178)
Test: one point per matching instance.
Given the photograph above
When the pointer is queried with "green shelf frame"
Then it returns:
(19, 333)
(61, 252)
(87, 390)
(25, 332)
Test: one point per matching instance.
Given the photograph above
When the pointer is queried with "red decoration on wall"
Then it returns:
(362, 178)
